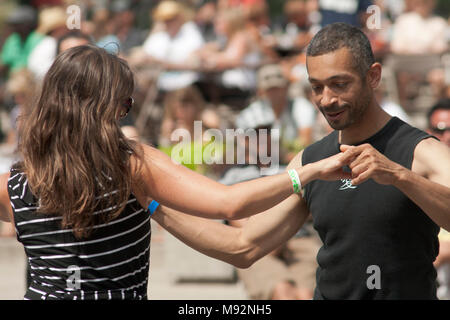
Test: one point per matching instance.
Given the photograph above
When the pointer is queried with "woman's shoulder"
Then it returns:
(18, 188)
(144, 156)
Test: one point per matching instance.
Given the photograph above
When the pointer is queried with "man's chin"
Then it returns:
(338, 125)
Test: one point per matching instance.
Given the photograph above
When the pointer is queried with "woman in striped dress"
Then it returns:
(79, 196)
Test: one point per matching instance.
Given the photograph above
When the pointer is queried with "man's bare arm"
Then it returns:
(239, 246)
(427, 184)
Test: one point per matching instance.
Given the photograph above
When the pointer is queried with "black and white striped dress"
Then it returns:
(113, 263)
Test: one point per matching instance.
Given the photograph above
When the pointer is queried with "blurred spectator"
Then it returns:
(52, 24)
(297, 26)
(171, 44)
(353, 12)
(72, 39)
(439, 120)
(394, 8)
(182, 108)
(23, 39)
(257, 24)
(293, 117)
(237, 56)
(42, 3)
(204, 18)
(439, 126)
(104, 30)
(439, 85)
(419, 31)
(123, 19)
(20, 86)
(242, 5)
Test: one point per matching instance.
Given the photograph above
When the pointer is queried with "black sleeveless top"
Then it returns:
(372, 233)
(113, 263)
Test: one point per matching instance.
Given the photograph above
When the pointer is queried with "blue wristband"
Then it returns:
(152, 207)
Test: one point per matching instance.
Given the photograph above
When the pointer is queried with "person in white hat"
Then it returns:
(294, 117)
(52, 24)
(172, 46)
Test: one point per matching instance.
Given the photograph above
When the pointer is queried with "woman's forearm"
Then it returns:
(259, 195)
(187, 191)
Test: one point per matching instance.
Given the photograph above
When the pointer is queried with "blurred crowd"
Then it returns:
(226, 63)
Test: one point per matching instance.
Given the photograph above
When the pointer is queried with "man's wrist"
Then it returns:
(401, 178)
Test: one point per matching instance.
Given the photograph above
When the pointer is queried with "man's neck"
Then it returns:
(374, 119)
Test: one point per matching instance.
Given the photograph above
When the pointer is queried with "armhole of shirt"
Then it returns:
(11, 193)
(306, 188)
(414, 146)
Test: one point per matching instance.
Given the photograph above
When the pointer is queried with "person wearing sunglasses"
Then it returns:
(439, 120)
(83, 195)
(439, 126)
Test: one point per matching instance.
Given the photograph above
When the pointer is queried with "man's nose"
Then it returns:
(328, 98)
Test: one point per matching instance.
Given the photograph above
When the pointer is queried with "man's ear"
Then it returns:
(374, 75)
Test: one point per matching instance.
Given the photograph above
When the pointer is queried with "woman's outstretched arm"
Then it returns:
(184, 190)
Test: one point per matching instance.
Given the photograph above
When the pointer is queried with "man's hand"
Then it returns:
(332, 168)
(366, 163)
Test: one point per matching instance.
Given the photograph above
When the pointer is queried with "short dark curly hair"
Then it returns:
(342, 35)
(443, 104)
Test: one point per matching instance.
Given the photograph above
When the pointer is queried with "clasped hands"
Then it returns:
(364, 161)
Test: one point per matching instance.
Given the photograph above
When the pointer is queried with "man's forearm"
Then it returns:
(239, 246)
(209, 237)
(433, 198)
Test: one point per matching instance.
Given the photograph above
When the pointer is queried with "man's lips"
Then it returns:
(334, 115)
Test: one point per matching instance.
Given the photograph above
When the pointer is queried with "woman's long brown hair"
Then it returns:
(75, 156)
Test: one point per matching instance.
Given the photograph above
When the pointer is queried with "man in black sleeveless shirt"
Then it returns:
(379, 220)
(379, 227)
(378, 189)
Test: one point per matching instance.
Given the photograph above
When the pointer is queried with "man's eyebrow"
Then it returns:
(335, 77)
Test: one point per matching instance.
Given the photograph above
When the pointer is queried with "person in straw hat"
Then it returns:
(171, 45)
(52, 24)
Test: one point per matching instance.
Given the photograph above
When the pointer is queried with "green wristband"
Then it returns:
(296, 184)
